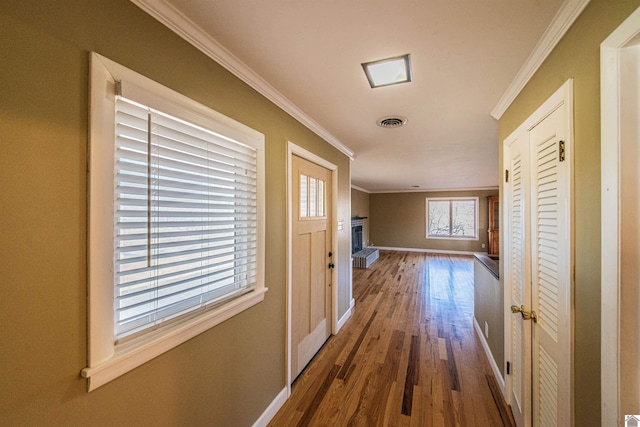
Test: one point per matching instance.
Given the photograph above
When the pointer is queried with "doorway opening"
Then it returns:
(620, 161)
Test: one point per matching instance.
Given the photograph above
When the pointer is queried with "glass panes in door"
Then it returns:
(312, 197)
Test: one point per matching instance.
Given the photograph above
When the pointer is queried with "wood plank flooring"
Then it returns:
(407, 357)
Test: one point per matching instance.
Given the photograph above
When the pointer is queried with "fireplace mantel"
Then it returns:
(358, 221)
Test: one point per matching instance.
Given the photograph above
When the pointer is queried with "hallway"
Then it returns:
(407, 357)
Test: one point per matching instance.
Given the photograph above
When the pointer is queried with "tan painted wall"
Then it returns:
(360, 207)
(398, 220)
(224, 377)
(487, 308)
(578, 56)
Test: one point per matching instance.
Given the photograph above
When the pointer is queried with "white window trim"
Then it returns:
(106, 360)
(446, 199)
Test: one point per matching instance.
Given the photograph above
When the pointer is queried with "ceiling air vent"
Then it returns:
(392, 122)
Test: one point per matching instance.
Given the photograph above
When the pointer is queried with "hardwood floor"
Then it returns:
(407, 357)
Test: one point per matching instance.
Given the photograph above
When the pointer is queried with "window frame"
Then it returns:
(106, 359)
(476, 201)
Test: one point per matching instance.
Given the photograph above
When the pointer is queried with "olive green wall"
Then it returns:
(487, 308)
(360, 207)
(398, 220)
(224, 377)
(577, 56)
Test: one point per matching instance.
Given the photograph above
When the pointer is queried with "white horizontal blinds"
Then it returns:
(321, 211)
(312, 197)
(186, 218)
(304, 196)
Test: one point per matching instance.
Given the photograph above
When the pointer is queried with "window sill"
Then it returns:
(450, 238)
(135, 353)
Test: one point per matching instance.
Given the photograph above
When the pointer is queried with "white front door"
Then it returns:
(539, 265)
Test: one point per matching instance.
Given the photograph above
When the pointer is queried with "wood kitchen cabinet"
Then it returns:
(494, 225)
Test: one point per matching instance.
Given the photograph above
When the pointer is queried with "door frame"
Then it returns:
(612, 135)
(293, 149)
(563, 95)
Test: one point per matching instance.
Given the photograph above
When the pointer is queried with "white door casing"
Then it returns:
(539, 264)
(620, 257)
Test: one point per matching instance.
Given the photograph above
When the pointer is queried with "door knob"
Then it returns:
(526, 315)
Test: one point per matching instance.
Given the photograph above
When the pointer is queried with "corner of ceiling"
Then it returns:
(180, 24)
(364, 190)
(562, 21)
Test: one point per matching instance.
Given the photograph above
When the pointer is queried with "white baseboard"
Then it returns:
(430, 251)
(272, 409)
(346, 316)
(494, 366)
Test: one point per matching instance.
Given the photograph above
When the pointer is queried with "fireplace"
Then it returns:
(361, 256)
(357, 243)
(356, 239)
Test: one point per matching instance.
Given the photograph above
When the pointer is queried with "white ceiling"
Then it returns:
(464, 54)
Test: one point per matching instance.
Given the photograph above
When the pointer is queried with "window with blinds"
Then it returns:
(176, 224)
(185, 218)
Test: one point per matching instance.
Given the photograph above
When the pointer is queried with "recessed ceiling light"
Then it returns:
(388, 71)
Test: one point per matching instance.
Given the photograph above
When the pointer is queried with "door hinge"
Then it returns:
(561, 151)
(508, 368)
(506, 175)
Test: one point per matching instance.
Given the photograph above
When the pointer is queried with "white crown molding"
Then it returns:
(177, 22)
(355, 187)
(562, 21)
(436, 190)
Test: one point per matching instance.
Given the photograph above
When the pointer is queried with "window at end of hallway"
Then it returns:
(176, 220)
(452, 218)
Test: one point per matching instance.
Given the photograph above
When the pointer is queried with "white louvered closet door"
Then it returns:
(550, 271)
(517, 270)
(538, 264)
